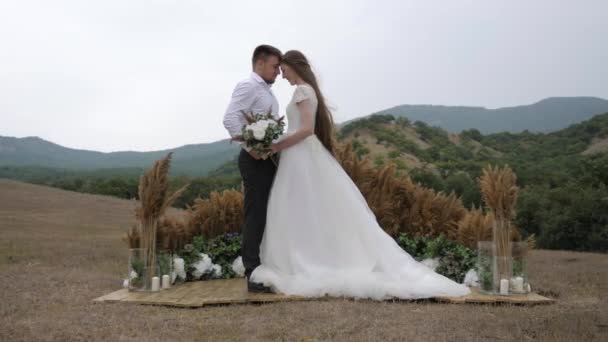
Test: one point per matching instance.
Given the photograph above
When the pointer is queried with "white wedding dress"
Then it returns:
(321, 238)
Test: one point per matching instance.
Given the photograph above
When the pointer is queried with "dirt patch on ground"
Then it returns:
(410, 160)
(454, 138)
(597, 146)
(59, 250)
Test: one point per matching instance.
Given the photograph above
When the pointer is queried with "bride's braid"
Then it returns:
(324, 123)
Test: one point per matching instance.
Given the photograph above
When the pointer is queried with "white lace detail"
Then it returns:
(303, 92)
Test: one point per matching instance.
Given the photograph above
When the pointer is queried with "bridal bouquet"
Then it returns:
(261, 131)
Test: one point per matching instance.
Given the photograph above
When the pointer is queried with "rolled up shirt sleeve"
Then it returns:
(243, 97)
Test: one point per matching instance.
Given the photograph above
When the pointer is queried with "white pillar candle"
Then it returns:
(155, 284)
(166, 281)
(504, 287)
(518, 284)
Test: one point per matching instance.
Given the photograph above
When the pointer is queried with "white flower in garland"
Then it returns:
(471, 278)
(217, 271)
(178, 266)
(202, 266)
(238, 267)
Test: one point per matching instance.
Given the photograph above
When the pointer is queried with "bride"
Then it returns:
(321, 238)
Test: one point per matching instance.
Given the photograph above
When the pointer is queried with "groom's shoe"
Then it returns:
(258, 287)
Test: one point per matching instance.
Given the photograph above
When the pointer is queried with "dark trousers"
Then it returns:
(257, 179)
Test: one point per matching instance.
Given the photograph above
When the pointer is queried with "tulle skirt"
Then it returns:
(321, 238)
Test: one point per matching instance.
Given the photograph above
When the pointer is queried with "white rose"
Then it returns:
(265, 123)
(178, 266)
(202, 266)
(471, 278)
(259, 133)
(217, 270)
(237, 267)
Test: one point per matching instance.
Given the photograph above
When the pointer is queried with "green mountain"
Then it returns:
(385, 138)
(192, 160)
(548, 115)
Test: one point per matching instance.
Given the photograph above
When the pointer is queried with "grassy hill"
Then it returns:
(385, 138)
(192, 160)
(545, 116)
(563, 175)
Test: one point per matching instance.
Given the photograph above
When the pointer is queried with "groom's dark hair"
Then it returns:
(265, 51)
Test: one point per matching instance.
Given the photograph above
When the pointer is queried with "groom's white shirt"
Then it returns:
(251, 95)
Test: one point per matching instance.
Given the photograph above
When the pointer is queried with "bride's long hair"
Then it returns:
(324, 122)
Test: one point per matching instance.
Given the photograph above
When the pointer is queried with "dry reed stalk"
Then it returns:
(132, 237)
(531, 240)
(399, 204)
(475, 226)
(172, 234)
(220, 213)
(153, 202)
(499, 192)
(359, 170)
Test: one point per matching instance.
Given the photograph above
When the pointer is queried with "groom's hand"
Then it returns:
(255, 155)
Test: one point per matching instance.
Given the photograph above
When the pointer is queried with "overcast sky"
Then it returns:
(145, 75)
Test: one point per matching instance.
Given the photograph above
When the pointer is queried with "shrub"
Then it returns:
(455, 260)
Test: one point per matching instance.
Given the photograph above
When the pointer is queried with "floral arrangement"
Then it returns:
(261, 131)
(215, 258)
(446, 257)
(219, 258)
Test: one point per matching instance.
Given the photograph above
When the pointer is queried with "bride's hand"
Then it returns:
(274, 148)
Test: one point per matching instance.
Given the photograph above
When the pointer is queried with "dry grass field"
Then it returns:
(59, 250)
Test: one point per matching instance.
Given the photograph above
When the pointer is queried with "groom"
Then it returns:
(253, 95)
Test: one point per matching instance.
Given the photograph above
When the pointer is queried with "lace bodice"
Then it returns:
(302, 92)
